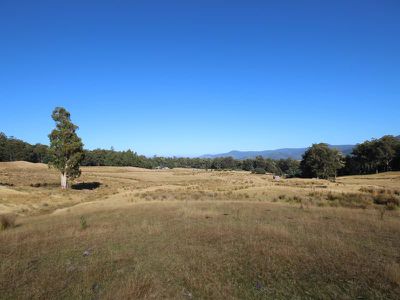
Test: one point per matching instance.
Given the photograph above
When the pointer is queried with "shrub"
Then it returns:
(391, 206)
(386, 199)
(259, 171)
(382, 211)
(370, 190)
(316, 195)
(6, 222)
(36, 185)
(331, 196)
(84, 224)
(353, 200)
(297, 199)
(375, 191)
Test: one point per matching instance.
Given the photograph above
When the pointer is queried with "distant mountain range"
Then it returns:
(294, 153)
(283, 153)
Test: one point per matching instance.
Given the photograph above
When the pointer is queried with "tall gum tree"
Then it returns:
(66, 148)
(320, 161)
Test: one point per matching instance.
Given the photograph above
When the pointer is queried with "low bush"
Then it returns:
(332, 196)
(297, 199)
(316, 194)
(376, 191)
(259, 171)
(368, 189)
(6, 222)
(387, 199)
(83, 222)
(353, 200)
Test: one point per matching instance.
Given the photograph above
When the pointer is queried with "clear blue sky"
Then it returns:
(196, 77)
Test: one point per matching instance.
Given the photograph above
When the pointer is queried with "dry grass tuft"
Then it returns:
(393, 273)
(138, 287)
(389, 200)
(7, 222)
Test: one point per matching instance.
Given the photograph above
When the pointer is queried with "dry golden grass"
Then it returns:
(186, 234)
(28, 189)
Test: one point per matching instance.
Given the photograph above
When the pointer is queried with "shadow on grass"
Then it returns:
(86, 185)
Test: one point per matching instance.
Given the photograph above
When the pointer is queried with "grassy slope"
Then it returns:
(215, 247)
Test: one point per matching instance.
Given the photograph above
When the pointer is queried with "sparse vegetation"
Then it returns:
(368, 157)
(180, 233)
(259, 171)
(285, 193)
(7, 222)
(83, 223)
(388, 200)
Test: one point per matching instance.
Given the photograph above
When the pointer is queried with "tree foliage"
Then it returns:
(369, 157)
(321, 161)
(376, 155)
(290, 167)
(66, 148)
(12, 149)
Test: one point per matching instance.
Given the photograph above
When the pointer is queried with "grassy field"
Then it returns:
(129, 233)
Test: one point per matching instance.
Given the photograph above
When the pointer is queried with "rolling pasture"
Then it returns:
(130, 233)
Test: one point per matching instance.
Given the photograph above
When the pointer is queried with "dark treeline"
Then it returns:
(12, 149)
(376, 155)
(100, 157)
(372, 156)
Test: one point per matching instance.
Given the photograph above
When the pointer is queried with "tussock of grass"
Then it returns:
(83, 223)
(7, 222)
(387, 197)
(389, 200)
(352, 200)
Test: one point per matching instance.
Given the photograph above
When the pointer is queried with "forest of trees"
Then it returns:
(12, 149)
(376, 155)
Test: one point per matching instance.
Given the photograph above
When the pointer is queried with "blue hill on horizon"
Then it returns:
(284, 153)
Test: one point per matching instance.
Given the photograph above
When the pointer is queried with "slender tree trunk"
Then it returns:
(64, 181)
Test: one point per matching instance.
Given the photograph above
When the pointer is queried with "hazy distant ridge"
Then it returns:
(283, 153)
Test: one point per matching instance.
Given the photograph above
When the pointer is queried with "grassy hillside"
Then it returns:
(128, 233)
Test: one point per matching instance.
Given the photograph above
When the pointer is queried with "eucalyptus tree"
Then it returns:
(321, 161)
(66, 148)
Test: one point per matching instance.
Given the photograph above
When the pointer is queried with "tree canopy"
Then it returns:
(66, 148)
(321, 161)
(376, 155)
